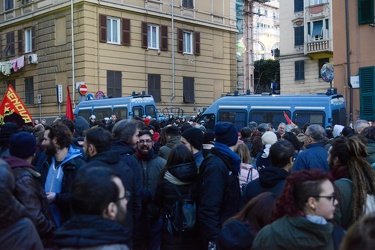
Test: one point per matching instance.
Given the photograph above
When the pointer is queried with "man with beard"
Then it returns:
(96, 146)
(99, 202)
(59, 169)
(150, 164)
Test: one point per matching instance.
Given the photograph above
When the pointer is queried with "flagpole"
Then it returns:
(73, 66)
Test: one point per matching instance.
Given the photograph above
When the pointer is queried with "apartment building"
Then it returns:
(354, 56)
(305, 45)
(183, 52)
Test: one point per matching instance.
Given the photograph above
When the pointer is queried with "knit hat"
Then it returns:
(22, 145)
(269, 137)
(194, 136)
(6, 131)
(226, 133)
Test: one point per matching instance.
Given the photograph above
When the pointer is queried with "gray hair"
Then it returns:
(360, 125)
(316, 132)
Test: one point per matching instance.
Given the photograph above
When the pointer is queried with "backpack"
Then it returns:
(183, 215)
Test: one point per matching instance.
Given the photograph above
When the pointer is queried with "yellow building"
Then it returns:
(183, 52)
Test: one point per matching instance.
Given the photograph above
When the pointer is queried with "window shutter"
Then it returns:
(33, 39)
(102, 28)
(144, 35)
(125, 32)
(180, 40)
(298, 36)
(164, 38)
(154, 86)
(365, 11)
(20, 42)
(197, 43)
(367, 93)
(299, 70)
(10, 44)
(188, 90)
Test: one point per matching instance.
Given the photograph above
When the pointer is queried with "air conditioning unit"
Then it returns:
(33, 59)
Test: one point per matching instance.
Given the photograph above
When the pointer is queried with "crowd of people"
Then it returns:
(123, 184)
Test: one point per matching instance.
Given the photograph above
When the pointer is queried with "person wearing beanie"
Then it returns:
(220, 195)
(28, 189)
(263, 158)
(6, 131)
(192, 138)
(173, 138)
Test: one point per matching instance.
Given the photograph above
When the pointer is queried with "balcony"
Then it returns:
(318, 49)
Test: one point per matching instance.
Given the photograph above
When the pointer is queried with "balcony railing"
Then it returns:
(318, 46)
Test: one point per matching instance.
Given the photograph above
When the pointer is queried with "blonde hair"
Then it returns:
(243, 152)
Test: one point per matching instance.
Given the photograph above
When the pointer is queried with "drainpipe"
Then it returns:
(172, 97)
(348, 63)
(73, 67)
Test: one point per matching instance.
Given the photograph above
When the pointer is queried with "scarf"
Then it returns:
(340, 171)
(146, 157)
(235, 160)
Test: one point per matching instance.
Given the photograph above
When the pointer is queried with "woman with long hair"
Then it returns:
(177, 180)
(240, 230)
(302, 215)
(248, 172)
(354, 177)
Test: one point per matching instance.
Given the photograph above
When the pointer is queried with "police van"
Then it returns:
(123, 107)
(322, 109)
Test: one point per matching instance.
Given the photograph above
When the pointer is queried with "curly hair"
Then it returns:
(300, 186)
(61, 132)
(351, 153)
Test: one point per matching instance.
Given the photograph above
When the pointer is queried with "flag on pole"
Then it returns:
(69, 108)
(289, 121)
(12, 109)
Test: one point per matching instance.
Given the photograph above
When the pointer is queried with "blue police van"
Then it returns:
(123, 107)
(322, 109)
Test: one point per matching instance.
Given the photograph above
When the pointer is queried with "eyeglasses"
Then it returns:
(126, 196)
(145, 141)
(332, 198)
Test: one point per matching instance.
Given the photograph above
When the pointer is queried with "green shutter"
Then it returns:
(367, 93)
(365, 11)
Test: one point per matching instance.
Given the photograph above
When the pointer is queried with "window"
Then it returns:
(269, 116)
(301, 117)
(317, 32)
(298, 36)
(298, 5)
(114, 30)
(188, 4)
(10, 44)
(151, 36)
(29, 90)
(114, 84)
(13, 83)
(9, 4)
(365, 11)
(26, 40)
(299, 70)
(188, 89)
(154, 86)
(188, 42)
(237, 117)
(321, 62)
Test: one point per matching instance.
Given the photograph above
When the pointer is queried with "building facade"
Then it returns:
(305, 45)
(354, 56)
(183, 52)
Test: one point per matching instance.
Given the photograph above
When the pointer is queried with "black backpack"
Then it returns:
(183, 215)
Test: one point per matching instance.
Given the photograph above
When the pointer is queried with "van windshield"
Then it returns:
(150, 111)
(138, 111)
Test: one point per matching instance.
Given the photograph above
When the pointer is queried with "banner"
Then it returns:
(69, 108)
(12, 109)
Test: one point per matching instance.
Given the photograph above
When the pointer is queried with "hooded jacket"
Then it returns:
(85, 231)
(294, 233)
(31, 194)
(185, 177)
(270, 179)
(112, 160)
(165, 150)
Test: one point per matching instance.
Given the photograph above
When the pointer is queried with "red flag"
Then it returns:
(69, 108)
(287, 118)
(12, 109)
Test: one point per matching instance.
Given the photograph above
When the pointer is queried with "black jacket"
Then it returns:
(271, 179)
(219, 194)
(166, 196)
(88, 231)
(111, 159)
(236, 235)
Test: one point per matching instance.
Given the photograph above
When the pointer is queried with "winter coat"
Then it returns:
(263, 159)
(236, 235)
(166, 149)
(270, 179)
(166, 196)
(92, 232)
(220, 193)
(126, 153)
(31, 195)
(70, 168)
(314, 157)
(112, 160)
(343, 213)
(371, 150)
(294, 233)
